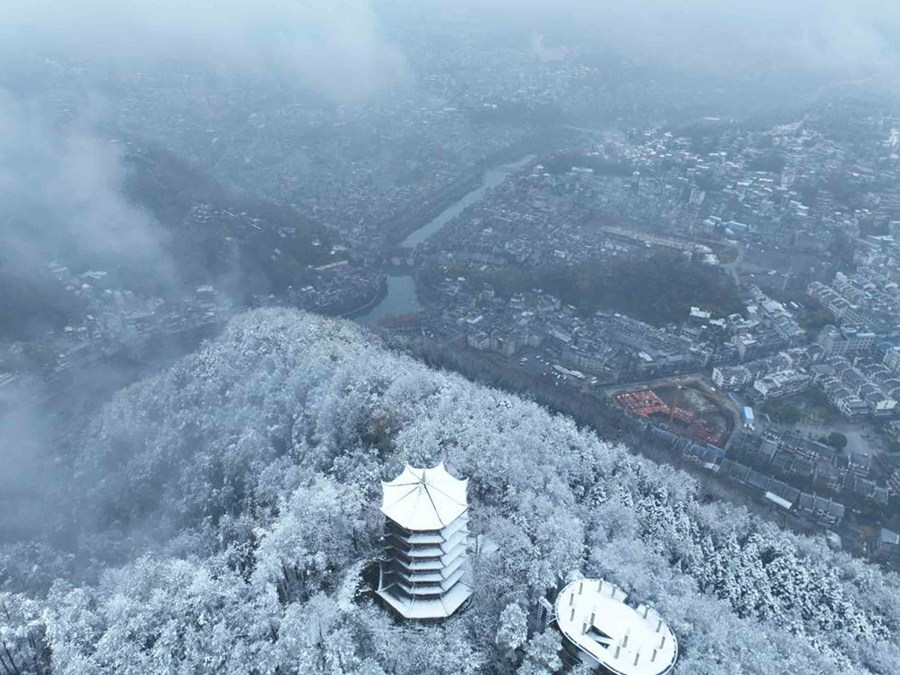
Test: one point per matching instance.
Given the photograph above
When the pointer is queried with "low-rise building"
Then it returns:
(731, 377)
(782, 383)
(841, 341)
(892, 359)
(820, 508)
(887, 545)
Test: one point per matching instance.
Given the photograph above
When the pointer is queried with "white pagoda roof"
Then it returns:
(424, 499)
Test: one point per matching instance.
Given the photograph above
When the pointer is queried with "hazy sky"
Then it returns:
(717, 35)
(334, 46)
(339, 46)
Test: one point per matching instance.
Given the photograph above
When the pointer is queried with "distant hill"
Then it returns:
(214, 519)
(205, 233)
(217, 234)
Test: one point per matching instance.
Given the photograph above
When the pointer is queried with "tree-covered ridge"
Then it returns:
(231, 501)
(659, 289)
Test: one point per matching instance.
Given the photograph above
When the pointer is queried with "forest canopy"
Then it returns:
(219, 518)
(658, 289)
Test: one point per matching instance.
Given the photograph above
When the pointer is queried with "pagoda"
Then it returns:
(425, 573)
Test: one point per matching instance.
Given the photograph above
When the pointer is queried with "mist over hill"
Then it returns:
(218, 517)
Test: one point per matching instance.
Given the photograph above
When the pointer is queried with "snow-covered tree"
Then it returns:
(218, 509)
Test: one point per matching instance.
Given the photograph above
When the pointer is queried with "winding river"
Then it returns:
(401, 288)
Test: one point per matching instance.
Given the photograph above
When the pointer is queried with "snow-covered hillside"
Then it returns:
(225, 507)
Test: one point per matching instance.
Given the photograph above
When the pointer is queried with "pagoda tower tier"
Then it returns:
(425, 573)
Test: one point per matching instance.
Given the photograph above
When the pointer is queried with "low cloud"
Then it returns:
(25, 473)
(334, 47)
(61, 195)
(839, 36)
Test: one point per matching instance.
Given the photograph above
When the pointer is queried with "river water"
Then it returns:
(401, 297)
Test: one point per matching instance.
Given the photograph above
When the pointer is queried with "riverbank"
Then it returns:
(404, 225)
(361, 311)
(401, 298)
(400, 293)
